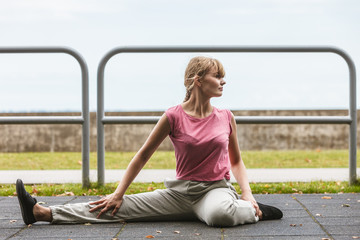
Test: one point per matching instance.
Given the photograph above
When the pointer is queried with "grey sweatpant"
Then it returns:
(215, 203)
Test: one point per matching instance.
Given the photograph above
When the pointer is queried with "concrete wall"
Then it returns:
(32, 138)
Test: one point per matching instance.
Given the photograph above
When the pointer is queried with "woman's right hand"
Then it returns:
(106, 204)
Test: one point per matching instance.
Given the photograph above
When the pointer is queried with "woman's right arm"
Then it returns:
(156, 137)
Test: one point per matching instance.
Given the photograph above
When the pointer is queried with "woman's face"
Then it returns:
(212, 83)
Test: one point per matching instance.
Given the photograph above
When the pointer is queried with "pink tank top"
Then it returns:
(201, 144)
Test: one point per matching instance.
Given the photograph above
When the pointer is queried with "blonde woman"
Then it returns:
(206, 149)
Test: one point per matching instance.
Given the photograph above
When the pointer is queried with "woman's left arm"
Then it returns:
(238, 167)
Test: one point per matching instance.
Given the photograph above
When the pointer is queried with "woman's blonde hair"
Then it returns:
(200, 66)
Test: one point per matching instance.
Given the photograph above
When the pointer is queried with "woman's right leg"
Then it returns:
(42, 213)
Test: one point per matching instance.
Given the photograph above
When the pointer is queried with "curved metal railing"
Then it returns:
(84, 119)
(351, 119)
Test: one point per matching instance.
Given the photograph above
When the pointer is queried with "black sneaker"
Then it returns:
(270, 212)
(26, 202)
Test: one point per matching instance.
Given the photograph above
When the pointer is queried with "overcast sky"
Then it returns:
(51, 82)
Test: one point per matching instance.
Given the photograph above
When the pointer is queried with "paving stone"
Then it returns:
(335, 221)
(353, 230)
(186, 230)
(345, 236)
(103, 231)
(12, 223)
(11, 214)
(283, 227)
(57, 237)
(321, 198)
(283, 203)
(274, 198)
(275, 237)
(300, 213)
(333, 210)
(7, 232)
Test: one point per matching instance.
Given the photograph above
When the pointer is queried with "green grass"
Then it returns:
(72, 160)
(166, 160)
(258, 188)
(297, 159)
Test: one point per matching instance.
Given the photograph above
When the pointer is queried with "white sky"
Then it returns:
(51, 82)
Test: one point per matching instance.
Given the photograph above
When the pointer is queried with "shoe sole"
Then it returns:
(20, 190)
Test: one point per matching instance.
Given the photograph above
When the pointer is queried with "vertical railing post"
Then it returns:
(85, 138)
(99, 122)
(353, 125)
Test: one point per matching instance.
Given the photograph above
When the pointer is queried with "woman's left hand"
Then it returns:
(247, 196)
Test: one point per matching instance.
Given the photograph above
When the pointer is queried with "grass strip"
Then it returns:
(166, 160)
(257, 188)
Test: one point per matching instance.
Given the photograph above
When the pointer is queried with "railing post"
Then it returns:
(85, 138)
(353, 125)
(100, 124)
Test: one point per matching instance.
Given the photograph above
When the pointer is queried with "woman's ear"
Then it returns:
(197, 81)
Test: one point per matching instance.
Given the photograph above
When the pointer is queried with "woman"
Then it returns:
(206, 148)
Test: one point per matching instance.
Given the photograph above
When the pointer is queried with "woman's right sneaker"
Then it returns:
(27, 203)
(269, 212)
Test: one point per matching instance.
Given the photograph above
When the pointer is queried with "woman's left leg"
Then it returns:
(222, 207)
(160, 205)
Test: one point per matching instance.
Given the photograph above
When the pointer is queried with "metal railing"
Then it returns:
(351, 119)
(84, 119)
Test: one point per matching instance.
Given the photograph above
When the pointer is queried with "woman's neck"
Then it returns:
(197, 107)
